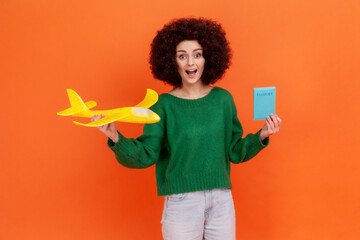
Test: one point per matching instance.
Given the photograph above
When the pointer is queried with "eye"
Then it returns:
(198, 55)
(182, 56)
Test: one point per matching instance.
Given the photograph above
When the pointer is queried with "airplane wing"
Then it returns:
(90, 104)
(104, 120)
(77, 109)
(150, 99)
(71, 111)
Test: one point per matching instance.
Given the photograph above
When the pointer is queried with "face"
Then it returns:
(190, 61)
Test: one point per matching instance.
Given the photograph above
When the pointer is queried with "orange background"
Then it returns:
(60, 181)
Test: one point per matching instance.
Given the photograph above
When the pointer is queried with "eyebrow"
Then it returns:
(193, 50)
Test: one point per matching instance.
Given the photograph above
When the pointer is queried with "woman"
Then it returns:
(198, 135)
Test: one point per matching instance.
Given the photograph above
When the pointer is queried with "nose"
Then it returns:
(190, 61)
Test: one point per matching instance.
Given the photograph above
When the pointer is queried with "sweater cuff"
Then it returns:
(111, 143)
(264, 142)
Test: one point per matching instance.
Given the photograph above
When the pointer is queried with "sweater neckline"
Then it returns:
(192, 101)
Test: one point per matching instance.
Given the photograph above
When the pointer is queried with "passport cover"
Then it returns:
(264, 102)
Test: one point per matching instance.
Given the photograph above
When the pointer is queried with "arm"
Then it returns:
(135, 153)
(243, 149)
(246, 148)
(141, 152)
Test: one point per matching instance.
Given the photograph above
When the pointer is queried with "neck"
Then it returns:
(192, 91)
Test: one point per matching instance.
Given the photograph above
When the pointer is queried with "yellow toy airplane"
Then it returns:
(138, 114)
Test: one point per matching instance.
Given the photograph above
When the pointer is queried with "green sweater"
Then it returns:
(192, 145)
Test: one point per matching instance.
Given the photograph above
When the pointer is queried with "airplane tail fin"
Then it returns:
(77, 105)
(150, 99)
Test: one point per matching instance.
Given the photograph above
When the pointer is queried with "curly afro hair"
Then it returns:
(208, 33)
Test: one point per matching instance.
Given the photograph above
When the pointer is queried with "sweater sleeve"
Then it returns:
(143, 151)
(243, 149)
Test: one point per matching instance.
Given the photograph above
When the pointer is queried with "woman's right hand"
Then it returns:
(108, 129)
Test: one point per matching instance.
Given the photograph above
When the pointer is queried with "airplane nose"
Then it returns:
(145, 115)
(155, 117)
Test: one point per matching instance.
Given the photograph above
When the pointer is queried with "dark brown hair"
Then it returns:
(208, 33)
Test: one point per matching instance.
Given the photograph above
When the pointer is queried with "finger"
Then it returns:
(102, 127)
(93, 118)
(268, 125)
(279, 121)
(270, 128)
(271, 123)
(269, 131)
(275, 120)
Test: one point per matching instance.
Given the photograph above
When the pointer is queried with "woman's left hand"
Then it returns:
(272, 125)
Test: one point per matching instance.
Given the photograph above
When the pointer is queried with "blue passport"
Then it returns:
(264, 102)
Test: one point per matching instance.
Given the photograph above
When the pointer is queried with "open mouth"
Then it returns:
(191, 73)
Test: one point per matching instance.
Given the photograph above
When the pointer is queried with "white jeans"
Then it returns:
(208, 215)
